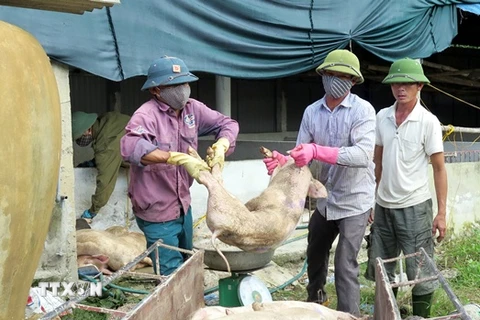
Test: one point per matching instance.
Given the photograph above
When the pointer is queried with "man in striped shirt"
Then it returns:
(339, 131)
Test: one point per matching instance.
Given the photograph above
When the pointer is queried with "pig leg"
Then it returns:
(147, 262)
(217, 174)
(269, 154)
(266, 152)
(207, 176)
(317, 189)
(216, 169)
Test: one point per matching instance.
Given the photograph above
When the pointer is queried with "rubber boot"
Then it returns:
(404, 310)
(422, 304)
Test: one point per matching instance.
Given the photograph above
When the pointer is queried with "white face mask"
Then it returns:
(336, 87)
(175, 96)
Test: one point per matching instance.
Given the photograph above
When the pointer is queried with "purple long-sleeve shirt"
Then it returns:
(159, 191)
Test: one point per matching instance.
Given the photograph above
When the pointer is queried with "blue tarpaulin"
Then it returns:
(251, 39)
(473, 8)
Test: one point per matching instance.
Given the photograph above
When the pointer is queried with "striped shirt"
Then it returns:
(351, 127)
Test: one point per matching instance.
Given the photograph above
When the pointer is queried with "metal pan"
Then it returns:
(239, 260)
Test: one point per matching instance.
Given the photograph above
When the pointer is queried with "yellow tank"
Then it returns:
(30, 146)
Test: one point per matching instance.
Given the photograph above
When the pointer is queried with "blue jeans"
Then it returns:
(177, 233)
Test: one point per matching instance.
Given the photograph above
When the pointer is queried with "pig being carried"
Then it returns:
(262, 223)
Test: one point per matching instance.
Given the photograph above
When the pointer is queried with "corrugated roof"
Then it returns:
(69, 6)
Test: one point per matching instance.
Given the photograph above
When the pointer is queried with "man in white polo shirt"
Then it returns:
(408, 138)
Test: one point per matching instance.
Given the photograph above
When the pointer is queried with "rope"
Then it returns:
(452, 96)
(451, 129)
(199, 220)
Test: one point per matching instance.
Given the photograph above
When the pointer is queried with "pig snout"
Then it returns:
(99, 261)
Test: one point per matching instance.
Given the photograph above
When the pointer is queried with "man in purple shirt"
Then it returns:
(169, 122)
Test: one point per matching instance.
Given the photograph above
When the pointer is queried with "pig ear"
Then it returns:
(316, 189)
(103, 258)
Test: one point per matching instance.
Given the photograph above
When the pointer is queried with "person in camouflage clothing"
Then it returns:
(103, 133)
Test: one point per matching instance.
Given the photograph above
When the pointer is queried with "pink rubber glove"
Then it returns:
(306, 152)
(273, 162)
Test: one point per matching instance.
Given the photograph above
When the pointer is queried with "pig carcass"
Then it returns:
(320, 310)
(216, 312)
(287, 310)
(110, 249)
(264, 222)
(98, 260)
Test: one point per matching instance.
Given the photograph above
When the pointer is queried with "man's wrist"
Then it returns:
(442, 213)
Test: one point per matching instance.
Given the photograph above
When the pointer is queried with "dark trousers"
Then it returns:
(403, 230)
(321, 235)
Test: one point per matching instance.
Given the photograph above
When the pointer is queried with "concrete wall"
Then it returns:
(246, 179)
(463, 201)
(59, 259)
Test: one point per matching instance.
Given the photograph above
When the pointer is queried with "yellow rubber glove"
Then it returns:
(219, 149)
(191, 164)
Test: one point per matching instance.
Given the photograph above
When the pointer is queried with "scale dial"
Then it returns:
(251, 290)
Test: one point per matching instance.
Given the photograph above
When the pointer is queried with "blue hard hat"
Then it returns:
(168, 71)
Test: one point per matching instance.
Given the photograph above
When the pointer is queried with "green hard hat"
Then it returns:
(405, 70)
(81, 121)
(343, 61)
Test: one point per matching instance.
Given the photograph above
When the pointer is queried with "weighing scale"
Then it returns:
(242, 289)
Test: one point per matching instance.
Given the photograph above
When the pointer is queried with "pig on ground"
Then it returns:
(264, 222)
(110, 249)
(294, 313)
(281, 314)
(325, 312)
(216, 312)
(280, 310)
(99, 260)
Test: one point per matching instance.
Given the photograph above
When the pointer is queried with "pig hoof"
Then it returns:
(266, 152)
